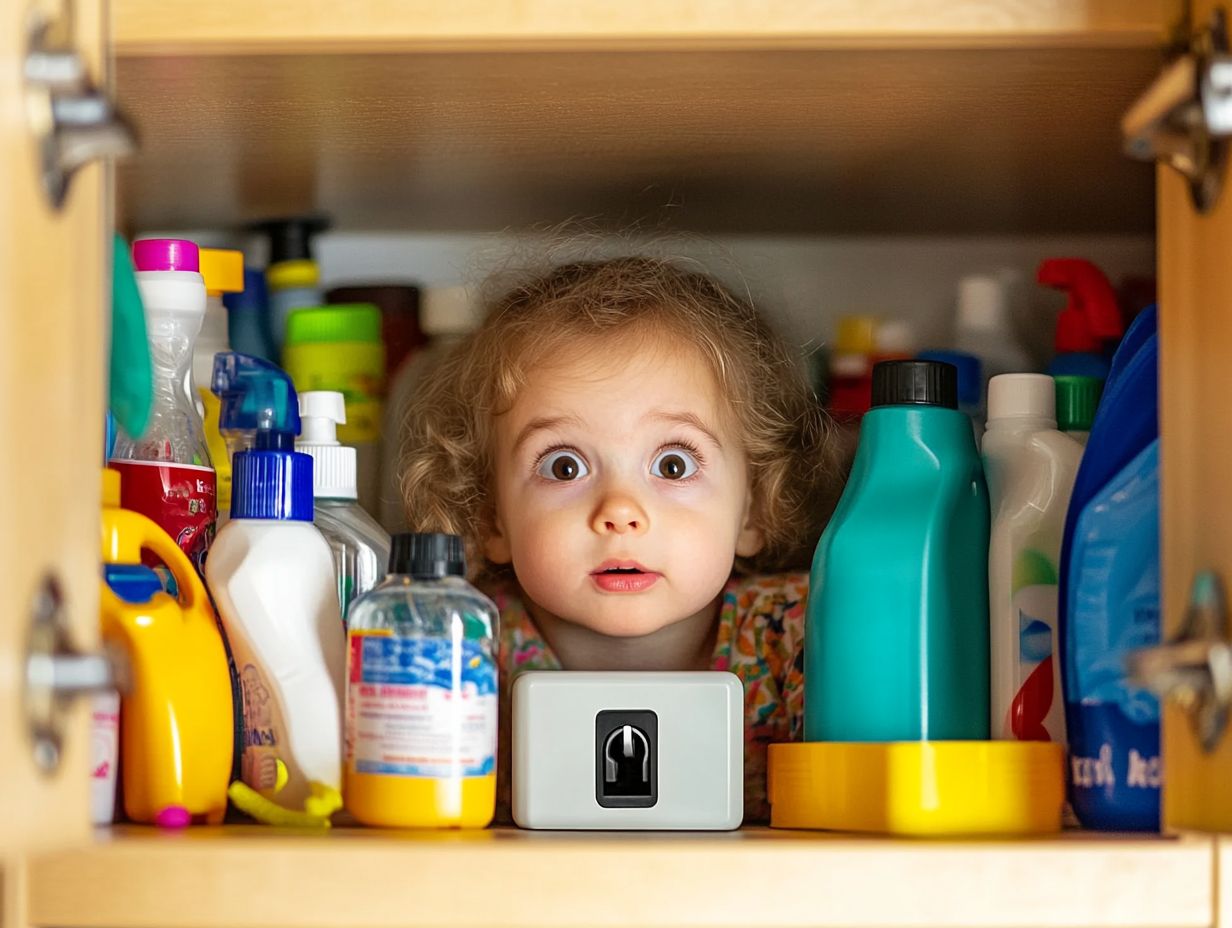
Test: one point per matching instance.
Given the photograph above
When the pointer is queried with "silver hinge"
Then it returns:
(73, 121)
(1194, 669)
(1185, 117)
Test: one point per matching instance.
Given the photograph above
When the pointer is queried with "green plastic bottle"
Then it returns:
(897, 622)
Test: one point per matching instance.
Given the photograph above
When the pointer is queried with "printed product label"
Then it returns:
(420, 707)
(1037, 712)
(181, 498)
(262, 732)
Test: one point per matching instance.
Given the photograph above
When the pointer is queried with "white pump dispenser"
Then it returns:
(360, 547)
(334, 468)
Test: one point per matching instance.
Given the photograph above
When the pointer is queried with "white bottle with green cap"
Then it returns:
(360, 547)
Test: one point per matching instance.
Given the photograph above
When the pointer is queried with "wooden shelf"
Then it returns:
(756, 116)
(952, 141)
(152, 27)
(262, 878)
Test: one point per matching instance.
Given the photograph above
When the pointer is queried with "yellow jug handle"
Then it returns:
(192, 593)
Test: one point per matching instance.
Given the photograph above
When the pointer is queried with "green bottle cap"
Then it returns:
(345, 322)
(1077, 400)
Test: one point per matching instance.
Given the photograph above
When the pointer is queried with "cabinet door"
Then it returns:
(52, 345)
(1195, 301)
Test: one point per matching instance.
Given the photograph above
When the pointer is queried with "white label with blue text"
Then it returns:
(421, 707)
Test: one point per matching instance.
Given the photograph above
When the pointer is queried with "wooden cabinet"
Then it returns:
(882, 116)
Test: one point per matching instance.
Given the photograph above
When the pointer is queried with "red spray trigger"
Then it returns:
(1092, 316)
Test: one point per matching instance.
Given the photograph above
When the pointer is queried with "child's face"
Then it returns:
(625, 461)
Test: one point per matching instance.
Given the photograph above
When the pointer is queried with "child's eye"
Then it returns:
(561, 465)
(674, 464)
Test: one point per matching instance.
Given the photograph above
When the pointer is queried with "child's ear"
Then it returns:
(496, 547)
(751, 539)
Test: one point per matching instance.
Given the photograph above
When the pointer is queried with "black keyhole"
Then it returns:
(626, 758)
(626, 767)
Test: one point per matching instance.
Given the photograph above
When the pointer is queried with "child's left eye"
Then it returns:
(674, 464)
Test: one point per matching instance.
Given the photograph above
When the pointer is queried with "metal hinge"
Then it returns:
(1194, 669)
(1185, 117)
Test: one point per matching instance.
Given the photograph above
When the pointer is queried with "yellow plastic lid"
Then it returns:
(922, 788)
(856, 335)
(286, 275)
(223, 270)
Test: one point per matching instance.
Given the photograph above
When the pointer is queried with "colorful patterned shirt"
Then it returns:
(760, 639)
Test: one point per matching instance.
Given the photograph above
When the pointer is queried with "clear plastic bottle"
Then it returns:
(421, 702)
(167, 474)
(359, 545)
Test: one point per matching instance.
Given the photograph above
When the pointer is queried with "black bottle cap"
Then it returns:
(915, 383)
(290, 237)
(427, 555)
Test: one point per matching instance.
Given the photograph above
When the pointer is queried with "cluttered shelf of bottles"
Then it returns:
(296, 665)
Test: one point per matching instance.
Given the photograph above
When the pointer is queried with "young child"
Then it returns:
(628, 452)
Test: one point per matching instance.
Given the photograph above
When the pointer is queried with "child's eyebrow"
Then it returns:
(541, 424)
(686, 418)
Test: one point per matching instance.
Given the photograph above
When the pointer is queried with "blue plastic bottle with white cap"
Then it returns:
(272, 577)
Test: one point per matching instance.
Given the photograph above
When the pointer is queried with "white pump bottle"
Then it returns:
(360, 547)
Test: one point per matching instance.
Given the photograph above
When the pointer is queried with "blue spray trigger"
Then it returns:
(256, 397)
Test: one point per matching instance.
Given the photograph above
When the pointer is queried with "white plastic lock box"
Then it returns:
(628, 751)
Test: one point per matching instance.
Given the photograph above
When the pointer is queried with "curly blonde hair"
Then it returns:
(447, 468)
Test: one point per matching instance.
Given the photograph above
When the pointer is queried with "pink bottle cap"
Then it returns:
(166, 254)
(173, 816)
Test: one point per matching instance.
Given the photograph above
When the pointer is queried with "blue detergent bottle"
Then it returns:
(1110, 597)
(897, 621)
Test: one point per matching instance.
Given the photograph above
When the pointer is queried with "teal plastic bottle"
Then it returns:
(897, 621)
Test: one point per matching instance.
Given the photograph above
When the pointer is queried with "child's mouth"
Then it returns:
(623, 577)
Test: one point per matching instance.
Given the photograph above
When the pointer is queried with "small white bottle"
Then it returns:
(984, 327)
(360, 547)
(1030, 467)
(272, 577)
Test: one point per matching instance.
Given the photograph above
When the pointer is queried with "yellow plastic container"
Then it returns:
(339, 348)
(176, 721)
(419, 802)
(919, 788)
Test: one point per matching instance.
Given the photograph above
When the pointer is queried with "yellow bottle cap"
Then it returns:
(856, 335)
(286, 275)
(111, 488)
(223, 270)
(919, 787)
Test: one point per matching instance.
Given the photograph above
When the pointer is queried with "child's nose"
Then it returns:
(619, 513)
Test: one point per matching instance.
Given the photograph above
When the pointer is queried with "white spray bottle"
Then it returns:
(272, 577)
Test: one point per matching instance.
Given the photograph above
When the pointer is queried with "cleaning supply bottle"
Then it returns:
(292, 274)
(984, 327)
(1090, 325)
(851, 368)
(970, 382)
(223, 272)
(360, 546)
(339, 349)
(897, 619)
(272, 577)
(248, 317)
(1077, 400)
(422, 693)
(167, 473)
(176, 716)
(448, 315)
(400, 328)
(1110, 597)
(1030, 468)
